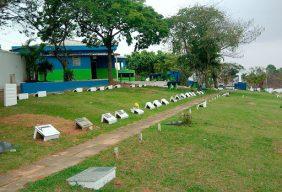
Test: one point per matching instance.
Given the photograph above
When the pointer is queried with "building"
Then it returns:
(86, 62)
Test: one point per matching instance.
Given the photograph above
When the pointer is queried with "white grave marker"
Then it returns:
(93, 178)
(183, 96)
(173, 99)
(78, 90)
(137, 111)
(187, 95)
(92, 89)
(23, 96)
(132, 86)
(121, 114)
(84, 123)
(101, 88)
(108, 118)
(48, 132)
(204, 105)
(177, 97)
(157, 103)
(110, 87)
(117, 86)
(164, 102)
(150, 106)
(41, 94)
(10, 95)
(140, 137)
(159, 127)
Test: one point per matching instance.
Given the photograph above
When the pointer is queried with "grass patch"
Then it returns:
(71, 106)
(230, 146)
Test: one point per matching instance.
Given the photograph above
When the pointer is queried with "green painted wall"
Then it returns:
(79, 74)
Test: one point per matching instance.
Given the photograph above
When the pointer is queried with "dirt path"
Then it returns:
(15, 180)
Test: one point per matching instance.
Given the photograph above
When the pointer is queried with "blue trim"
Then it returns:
(32, 88)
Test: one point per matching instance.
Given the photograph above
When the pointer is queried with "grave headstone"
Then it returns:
(137, 111)
(177, 97)
(150, 106)
(121, 114)
(173, 99)
(84, 123)
(110, 87)
(93, 178)
(204, 105)
(41, 94)
(10, 95)
(92, 89)
(132, 86)
(48, 132)
(117, 86)
(108, 118)
(187, 95)
(157, 103)
(164, 102)
(101, 88)
(78, 90)
(183, 96)
(22, 96)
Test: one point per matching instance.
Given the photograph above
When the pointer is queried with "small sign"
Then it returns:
(117, 86)
(92, 89)
(157, 103)
(121, 114)
(84, 123)
(48, 132)
(10, 95)
(101, 88)
(150, 106)
(132, 86)
(78, 90)
(137, 111)
(108, 118)
(22, 96)
(183, 96)
(110, 87)
(41, 94)
(164, 102)
(173, 99)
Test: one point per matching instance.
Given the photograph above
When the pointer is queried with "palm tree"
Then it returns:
(44, 68)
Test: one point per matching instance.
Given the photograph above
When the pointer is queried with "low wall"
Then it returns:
(51, 87)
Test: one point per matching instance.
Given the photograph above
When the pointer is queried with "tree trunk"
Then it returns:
(110, 65)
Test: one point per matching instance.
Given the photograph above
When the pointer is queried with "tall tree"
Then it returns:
(53, 22)
(8, 11)
(205, 35)
(107, 22)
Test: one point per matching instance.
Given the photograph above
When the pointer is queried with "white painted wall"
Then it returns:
(11, 63)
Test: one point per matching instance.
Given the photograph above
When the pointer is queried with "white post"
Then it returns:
(159, 127)
(140, 137)
(116, 152)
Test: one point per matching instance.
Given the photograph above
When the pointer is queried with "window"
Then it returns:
(76, 61)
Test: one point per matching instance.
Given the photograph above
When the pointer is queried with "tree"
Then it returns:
(205, 35)
(44, 68)
(107, 22)
(256, 77)
(33, 55)
(8, 11)
(229, 71)
(53, 22)
(271, 69)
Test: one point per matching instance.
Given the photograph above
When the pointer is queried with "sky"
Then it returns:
(267, 49)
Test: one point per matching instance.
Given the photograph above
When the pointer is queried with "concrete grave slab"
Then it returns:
(10, 95)
(157, 103)
(150, 106)
(164, 102)
(41, 94)
(117, 86)
(23, 96)
(121, 114)
(137, 111)
(93, 178)
(92, 89)
(204, 105)
(78, 90)
(101, 88)
(177, 97)
(84, 123)
(132, 86)
(183, 96)
(48, 132)
(108, 118)
(173, 99)
(110, 87)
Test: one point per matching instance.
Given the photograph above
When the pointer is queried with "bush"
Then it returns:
(68, 75)
(187, 119)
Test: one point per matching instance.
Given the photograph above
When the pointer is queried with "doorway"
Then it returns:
(94, 67)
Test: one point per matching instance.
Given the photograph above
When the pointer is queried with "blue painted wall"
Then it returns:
(32, 88)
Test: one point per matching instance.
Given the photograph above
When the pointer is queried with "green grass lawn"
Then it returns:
(233, 145)
(71, 106)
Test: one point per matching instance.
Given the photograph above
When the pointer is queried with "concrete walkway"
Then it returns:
(16, 179)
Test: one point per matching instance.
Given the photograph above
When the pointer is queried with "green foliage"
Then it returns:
(44, 68)
(33, 56)
(8, 11)
(68, 75)
(271, 69)
(204, 35)
(229, 71)
(256, 77)
(187, 119)
(106, 22)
